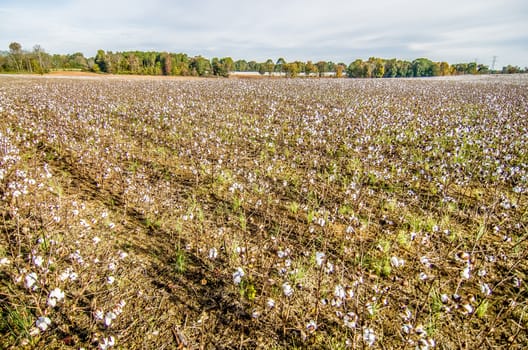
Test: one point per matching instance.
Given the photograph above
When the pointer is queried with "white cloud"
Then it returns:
(452, 30)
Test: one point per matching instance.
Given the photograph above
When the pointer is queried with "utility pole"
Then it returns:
(493, 63)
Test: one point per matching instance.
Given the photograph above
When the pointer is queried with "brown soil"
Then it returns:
(72, 73)
(115, 76)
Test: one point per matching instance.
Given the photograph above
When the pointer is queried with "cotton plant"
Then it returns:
(444, 153)
(55, 296)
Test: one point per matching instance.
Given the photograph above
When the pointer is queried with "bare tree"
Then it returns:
(37, 49)
(15, 50)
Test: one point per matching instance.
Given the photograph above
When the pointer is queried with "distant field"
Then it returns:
(90, 75)
(153, 213)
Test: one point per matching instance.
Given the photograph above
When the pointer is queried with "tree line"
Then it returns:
(180, 64)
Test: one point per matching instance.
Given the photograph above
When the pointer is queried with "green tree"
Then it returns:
(166, 64)
(461, 68)
(377, 67)
(321, 68)
(472, 68)
(330, 66)
(217, 68)
(241, 66)
(404, 69)
(291, 69)
(310, 68)
(436, 69)
(422, 67)
(101, 61)
(3, 63)
(181, 64)
(269, 66)
(339, 69)
(483, 69)
(133, 63)
(253, 66)
(356, 69)
(445, 68)
(279, 66)
(509, 69)
(391, 68)
(228, 64)
(200, 66)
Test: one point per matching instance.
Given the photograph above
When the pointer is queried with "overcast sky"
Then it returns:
(340, 31)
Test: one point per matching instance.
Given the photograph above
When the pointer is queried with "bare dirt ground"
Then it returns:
(90, 75)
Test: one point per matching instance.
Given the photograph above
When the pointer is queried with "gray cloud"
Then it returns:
(455, 31)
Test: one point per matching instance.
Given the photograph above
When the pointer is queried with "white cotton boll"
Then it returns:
(52, 302)
(109, 317)
(371, 308)
(121, 304)
(107, 343)
(407, 328)
(34, 331)
(369, 337)
(465, 273)
(65, 274)
(43, 323)
(57, 293)
(397, 262)
(516, 282)
(339, 292)
(319, 258)
(55, 296)
(350, 320)
(311, 326)
(469, 308)
(485, 289)
(30, 280)
(99, 314)
(444, 298)
(213, 253)
(287, 289)
(73, 276)
(38, 260)
(329, 268)
(425, 261)
(237, 275)
(270, 303)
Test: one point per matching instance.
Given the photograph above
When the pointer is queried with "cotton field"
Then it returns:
(263, 213)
